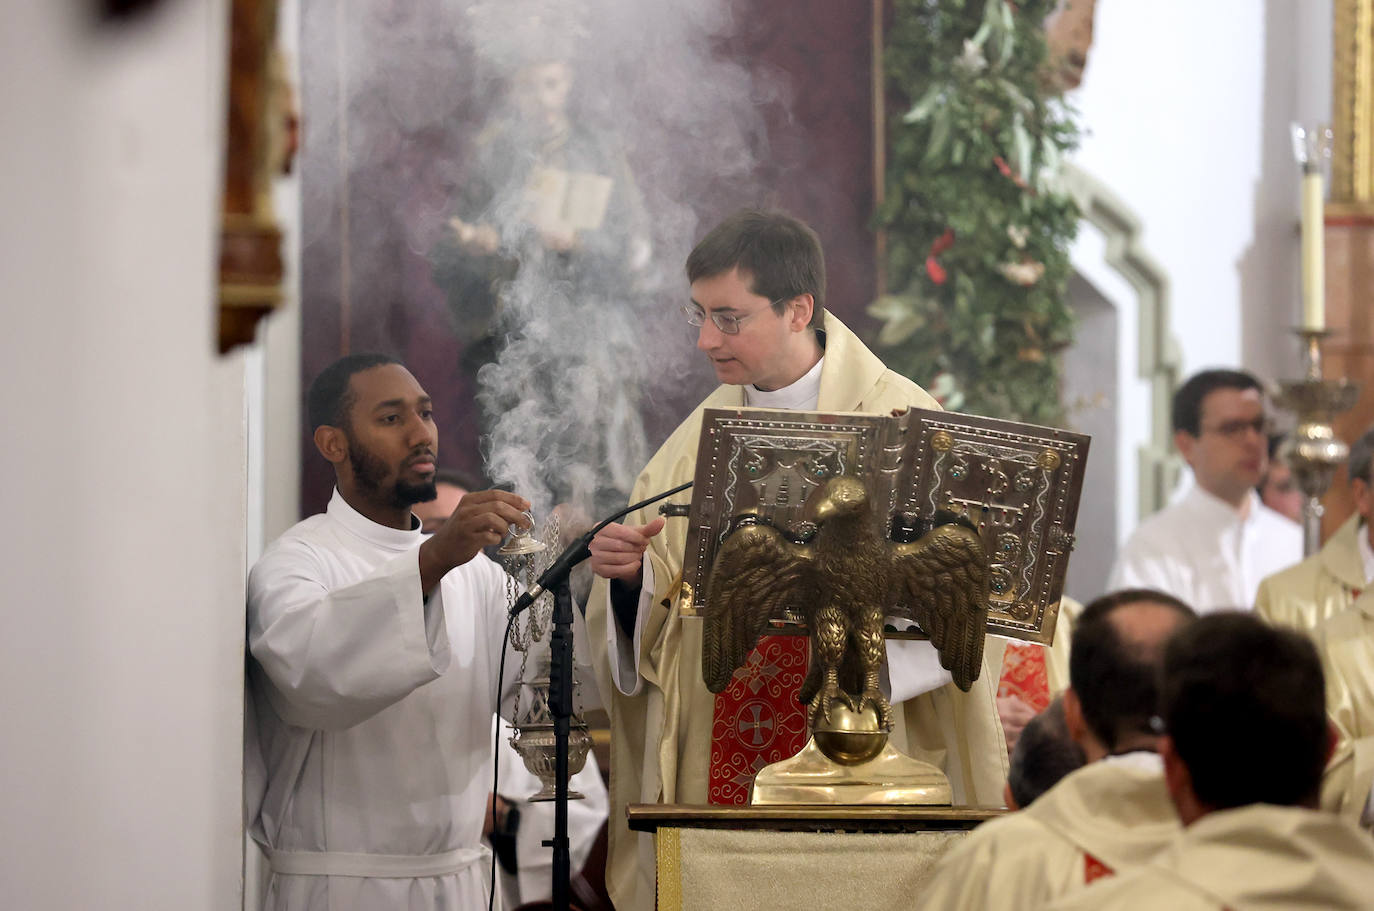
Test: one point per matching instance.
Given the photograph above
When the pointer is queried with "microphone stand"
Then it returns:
(555, 579)
(561, 708)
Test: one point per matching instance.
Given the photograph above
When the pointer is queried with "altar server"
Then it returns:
(373, 667)
(1212, 547)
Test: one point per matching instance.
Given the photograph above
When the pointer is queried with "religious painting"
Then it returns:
(503, 194)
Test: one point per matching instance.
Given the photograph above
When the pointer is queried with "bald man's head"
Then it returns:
(1114, 661)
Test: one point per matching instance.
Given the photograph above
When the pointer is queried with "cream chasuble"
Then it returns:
(661, 718)
(1319, 587)
(1100, 820)
(1247, 859)
(1346, 642)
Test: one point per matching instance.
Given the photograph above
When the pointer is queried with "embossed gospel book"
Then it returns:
(1017, 484)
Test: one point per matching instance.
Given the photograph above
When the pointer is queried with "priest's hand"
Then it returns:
(481, 519)
(618, 550)
(1014, 713)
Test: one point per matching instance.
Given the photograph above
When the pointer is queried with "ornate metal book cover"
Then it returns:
(1018, 484)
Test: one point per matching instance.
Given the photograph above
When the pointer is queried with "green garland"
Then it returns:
(978, 228)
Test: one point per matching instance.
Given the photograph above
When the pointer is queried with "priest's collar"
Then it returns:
(803, 395)
(381, 535)
(1366, 551)
(1141, 759)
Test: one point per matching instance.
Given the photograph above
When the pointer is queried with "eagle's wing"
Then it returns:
(941, 582)
(757, 573)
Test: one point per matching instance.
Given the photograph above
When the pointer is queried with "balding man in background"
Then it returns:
(1111, 814)
(1246, 738)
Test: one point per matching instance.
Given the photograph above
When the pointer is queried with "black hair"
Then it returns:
(1275, 444)
(1187, 407)
(1116, 679)
(1245, 704)
(1044, 753)
(781, 255)
(1361, 458)
(329, 398)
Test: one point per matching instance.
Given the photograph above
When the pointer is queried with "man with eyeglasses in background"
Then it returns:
(1212, 547)
(757, 298)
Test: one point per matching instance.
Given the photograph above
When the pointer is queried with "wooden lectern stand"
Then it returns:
(798, 856)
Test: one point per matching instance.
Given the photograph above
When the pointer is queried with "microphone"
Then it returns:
(579, 550)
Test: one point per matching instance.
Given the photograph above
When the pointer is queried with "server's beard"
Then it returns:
(370, 473)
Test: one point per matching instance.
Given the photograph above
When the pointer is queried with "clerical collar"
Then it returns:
(381, 535)
(803, 395)
(1141, 759)
(1366, 551)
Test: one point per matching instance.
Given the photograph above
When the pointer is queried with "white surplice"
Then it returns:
(1204, 552)
(369, 751)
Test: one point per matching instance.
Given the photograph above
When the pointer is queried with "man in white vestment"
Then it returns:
(1245, 740)
(758, 292)
(1329, 581)
(516, 827)
(1212, 547)
(373, 667)
(1114, 812)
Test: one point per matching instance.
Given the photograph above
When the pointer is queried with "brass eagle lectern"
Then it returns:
(848, 528)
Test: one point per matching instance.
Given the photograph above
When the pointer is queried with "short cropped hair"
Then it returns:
(781, 255)
(1044, 753)
(330, 397)
(456, 477)
(1115, 679)
(1244, 703)
(1187, 407)
(1361, 455)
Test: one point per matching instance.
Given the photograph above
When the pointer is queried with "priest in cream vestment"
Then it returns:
(1346, 642)
(1107, 817)
(1327, 582)
(1318, 596)
(1321, 586)
(1235, 689)
(1259, 856)
(772, 346)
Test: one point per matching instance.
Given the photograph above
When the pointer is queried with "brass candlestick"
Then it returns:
(1313, 449)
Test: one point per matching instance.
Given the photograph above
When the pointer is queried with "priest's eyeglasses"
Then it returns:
(727, 323)
(1234, 430)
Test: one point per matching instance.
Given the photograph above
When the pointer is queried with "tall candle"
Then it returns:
(1313, 252)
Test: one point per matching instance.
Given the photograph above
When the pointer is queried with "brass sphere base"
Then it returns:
(849, 762)
(850, 738)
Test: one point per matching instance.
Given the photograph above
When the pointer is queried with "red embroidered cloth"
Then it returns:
(1094, 869)
(1024, 675)
(758, 719)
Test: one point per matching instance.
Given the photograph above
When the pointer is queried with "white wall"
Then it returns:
(1186, 108)
(123, 466)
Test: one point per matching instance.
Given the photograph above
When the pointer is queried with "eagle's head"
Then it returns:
(844, 497)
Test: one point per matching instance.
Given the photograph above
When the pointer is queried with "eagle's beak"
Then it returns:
(824, 509)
